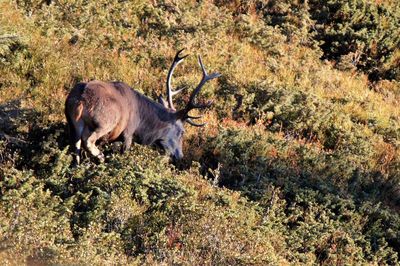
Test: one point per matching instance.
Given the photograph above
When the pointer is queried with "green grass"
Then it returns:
(299, 162)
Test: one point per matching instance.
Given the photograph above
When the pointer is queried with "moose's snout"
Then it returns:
(173, 149)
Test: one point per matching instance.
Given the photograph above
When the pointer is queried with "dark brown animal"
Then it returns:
(109, 111)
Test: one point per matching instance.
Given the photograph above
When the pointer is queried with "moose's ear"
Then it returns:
(162, 101)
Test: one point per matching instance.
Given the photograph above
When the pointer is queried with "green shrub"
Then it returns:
(360, 32)
(299, 162)
(321, 219)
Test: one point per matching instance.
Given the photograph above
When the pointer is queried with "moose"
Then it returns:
(109, 111)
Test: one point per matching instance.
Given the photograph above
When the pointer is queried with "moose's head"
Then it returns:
(172, 139)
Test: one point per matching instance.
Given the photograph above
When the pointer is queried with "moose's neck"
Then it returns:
(154, 120)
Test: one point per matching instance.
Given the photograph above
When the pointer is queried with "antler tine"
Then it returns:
(177, 91)
(177, 59)
(195, 124)
(208, 77)
(190, 121)
(194, 117)
(202, 66)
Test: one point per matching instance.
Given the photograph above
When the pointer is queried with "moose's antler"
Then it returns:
(184, 114)
(170, 93)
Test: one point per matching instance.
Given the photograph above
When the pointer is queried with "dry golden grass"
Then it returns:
(273, 164)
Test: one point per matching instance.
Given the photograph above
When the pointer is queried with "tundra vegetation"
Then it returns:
(299, 162)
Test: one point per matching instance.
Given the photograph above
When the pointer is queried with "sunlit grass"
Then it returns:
(305, 151)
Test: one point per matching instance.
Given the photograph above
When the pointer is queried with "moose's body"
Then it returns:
(108, 111)
(112, 110)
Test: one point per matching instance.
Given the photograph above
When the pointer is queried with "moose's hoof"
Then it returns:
(100, 157)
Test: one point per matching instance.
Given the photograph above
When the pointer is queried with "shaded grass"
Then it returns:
(309, 155)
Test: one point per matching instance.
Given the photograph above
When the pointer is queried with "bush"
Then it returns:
(322, 222)
(299, 162)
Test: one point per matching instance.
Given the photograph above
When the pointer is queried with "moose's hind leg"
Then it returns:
(89, 140)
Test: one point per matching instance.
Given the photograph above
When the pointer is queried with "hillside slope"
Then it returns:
(299, 162)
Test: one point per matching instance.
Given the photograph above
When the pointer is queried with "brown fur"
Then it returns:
(78, 111)
(112, 110)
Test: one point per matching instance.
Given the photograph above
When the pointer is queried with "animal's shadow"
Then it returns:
(22, 134)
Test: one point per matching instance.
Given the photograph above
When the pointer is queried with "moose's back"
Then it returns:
(101, 106)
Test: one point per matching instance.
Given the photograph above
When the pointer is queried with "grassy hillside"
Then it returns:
(299, 162)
